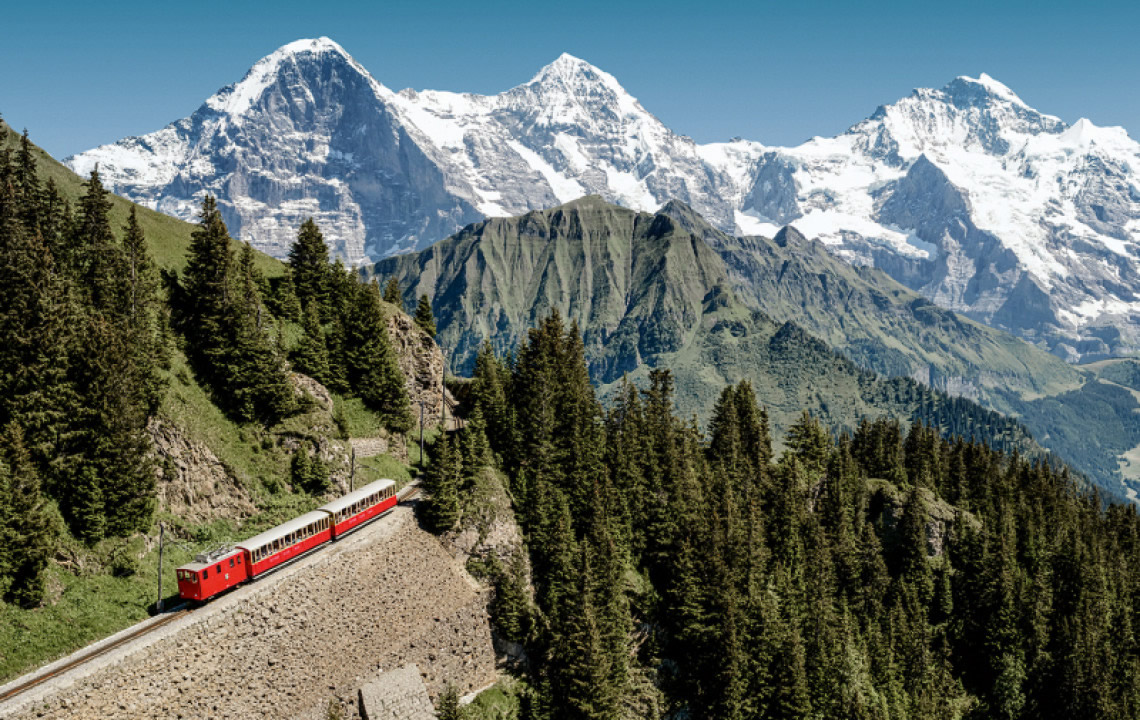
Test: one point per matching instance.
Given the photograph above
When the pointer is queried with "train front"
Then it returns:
(211, 573)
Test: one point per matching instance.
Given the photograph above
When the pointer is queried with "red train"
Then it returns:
(213, 572)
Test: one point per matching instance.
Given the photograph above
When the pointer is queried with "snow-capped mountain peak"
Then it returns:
(235, 100)
(571, 91)
(994, 88)
(963, 192)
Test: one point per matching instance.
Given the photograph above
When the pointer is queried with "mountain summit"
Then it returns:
(965, 193)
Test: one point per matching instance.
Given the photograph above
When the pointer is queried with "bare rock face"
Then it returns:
(303, 384)
(422, 362)
(487, 528)
(192, 482)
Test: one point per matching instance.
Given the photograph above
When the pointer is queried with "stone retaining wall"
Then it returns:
(396, 695)
(290, 648)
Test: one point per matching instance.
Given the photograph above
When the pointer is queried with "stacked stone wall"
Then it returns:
(290, 646)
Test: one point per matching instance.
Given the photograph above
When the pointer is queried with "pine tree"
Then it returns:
(232, 342)
(373, 370)
(392, 293)
(284, 303)
(510, 609)
(448, 708)
(810, 443)
(488, 393)
(473, 441)
(145, 316)
(37, 323)
(441, 482)
(99, 260)
(311, 356)
(256, 383)
(309, 472)
(309, 266)
(25, 525)
(424, 317)
(206, 282)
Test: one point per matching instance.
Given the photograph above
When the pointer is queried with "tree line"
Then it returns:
(885, 573)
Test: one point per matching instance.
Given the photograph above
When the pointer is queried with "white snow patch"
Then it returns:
(564, 188)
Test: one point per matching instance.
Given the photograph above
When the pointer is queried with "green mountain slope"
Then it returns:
(634, 282)
(667, 290)
(879, 323)
(647, 292)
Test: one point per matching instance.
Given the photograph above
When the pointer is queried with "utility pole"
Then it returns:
(161, 535)
(443, 391)
(421, 434)
(352, 468)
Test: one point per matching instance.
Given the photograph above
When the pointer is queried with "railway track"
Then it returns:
(144, 628)
(76, 661)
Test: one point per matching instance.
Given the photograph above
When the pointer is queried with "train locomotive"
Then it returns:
(220, 570)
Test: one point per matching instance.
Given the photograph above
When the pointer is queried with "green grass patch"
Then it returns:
(359, 420)
(502, 701)
(380, 467)
(85, 605)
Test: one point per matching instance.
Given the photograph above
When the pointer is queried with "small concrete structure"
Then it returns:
(396, 695)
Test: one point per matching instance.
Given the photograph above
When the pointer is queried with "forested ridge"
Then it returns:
(887, 573)
(88, 327)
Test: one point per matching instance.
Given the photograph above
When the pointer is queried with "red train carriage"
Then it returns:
(361, 505)
(211, 573)
(286, 541)
(219, 570)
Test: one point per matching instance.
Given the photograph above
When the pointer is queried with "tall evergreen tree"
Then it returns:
(309, 266)
(311, 356)
(25, 525)
(373, 370)
(392, 293)
(424, 317)
(442, 481)
(231, 338)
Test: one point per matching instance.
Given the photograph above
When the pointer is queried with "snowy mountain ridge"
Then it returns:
(965, 193)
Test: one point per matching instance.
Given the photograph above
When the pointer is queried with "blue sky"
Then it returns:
(81, 74)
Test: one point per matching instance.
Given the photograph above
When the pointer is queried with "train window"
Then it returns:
(219, 568)
(205, 573)
(231, 562)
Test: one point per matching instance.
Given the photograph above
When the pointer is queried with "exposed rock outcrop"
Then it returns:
(192, 482)
(422, 362)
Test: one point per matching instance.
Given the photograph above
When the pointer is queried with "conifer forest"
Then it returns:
(889, 573)
(921, 567)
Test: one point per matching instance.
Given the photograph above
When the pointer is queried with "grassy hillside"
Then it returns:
(168, 237)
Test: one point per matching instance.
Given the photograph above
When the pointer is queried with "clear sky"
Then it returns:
(79, 74)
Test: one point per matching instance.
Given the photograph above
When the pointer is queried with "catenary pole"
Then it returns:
(161, 535)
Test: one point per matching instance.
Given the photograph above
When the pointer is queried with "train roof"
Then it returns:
(206, 559)
(356, 495)
(282, 530)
